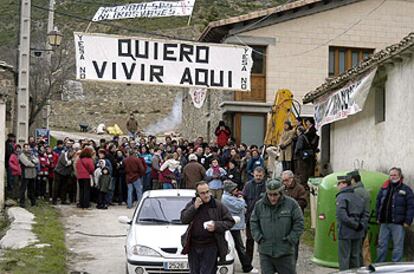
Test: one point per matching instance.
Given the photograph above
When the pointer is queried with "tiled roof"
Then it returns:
(377, 59)
(257, 14)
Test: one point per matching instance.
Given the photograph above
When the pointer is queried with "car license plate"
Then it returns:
(175, 265)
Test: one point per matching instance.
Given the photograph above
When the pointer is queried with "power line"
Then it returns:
(323, 44)
(113, 25)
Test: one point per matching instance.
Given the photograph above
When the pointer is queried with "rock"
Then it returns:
(20, 232)
(21, 264)
(10, 203)
(41, 245)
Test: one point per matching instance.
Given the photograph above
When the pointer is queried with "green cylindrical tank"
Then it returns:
(326, 233)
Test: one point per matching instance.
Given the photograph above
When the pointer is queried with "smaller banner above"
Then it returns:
(146, 9)
(198, 95)
(343, 102)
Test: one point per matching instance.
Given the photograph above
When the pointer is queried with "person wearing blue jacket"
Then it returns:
(237, 207)
(255, 161)
(395, 211)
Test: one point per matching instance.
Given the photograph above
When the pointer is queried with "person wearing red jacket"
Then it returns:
(134, 171)
(223, 134)
(43, 174)
(84, 170)
(53, 160)
(16, 170)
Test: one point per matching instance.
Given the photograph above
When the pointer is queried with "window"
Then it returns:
(258, 57)
(380, 104)
(342, 59)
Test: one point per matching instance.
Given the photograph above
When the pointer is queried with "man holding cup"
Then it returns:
(204, 240)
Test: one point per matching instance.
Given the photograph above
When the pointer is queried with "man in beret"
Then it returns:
(277, 224)
(351, 221)
(360, 190)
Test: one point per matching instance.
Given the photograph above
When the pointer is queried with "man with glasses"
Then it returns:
(277, 224)
(204, 241)
(395, 211)
(351, 221)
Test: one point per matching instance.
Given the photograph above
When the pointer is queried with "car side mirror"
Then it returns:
(236, 219)
(124, 220)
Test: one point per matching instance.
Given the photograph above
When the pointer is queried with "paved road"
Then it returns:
(92, 253)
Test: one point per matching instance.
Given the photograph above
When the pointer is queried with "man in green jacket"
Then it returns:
(277, 224)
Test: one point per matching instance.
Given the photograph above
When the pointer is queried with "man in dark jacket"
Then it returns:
(395, 211)
(351, 221)
(63, 173)
(252, 192)
(277, 224)
(193, 172)
(360, 190)
(134, 171)
(295, 191)
(204, 239)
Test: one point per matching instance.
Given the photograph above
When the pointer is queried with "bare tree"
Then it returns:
(47, 78)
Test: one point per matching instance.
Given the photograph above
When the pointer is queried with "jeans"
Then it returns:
(249, 242)
(138, 190)
(241, 251)
(203, 260)
(281, 265)
(84, 192)
(147, 182)
(396, 233)
(349, 254)
(30, 185)
(110, 194)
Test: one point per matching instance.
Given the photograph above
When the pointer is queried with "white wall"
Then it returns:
(386, 144)
(299, 59)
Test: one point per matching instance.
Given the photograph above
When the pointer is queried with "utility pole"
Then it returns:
(50, 26)
(23, 94)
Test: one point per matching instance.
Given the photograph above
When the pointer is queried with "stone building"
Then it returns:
(296, 46)
(380, 134)
(8, 89)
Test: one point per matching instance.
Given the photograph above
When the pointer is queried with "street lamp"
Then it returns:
(54, 37)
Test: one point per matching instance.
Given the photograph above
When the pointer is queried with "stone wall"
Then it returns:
(202, 122)
(8, 86)
(94, 103)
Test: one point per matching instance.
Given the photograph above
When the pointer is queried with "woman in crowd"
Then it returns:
(84, 170)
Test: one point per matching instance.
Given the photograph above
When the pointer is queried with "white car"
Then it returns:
(153, 244)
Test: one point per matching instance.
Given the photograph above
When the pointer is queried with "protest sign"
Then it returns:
(138, 60)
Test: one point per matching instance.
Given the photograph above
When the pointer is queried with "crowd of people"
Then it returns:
(120, 170)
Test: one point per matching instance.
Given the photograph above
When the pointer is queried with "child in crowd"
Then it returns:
(103, 186)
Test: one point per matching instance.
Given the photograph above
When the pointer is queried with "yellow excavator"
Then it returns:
(285, 108)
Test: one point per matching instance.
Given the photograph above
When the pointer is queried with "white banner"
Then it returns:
(343, 102)
(146, 9)
(198, 95)
(138, 60)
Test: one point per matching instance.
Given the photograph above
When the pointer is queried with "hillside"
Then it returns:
(73, 15)
(94, 103)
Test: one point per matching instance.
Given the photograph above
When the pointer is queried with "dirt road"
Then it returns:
(96, 242)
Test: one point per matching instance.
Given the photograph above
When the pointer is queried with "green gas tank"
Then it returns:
(326, 233)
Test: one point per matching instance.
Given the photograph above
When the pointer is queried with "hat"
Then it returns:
(346, 179)
(229, 186)
(274, 186)
(353, 173)
(192, 157)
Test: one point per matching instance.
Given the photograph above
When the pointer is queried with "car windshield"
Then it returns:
(162, 210)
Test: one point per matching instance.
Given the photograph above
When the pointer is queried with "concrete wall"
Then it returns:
(8, 86)
(299, 59)
(386, 144)
(202, 122)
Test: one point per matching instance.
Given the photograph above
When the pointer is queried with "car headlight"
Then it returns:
(144, 251)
